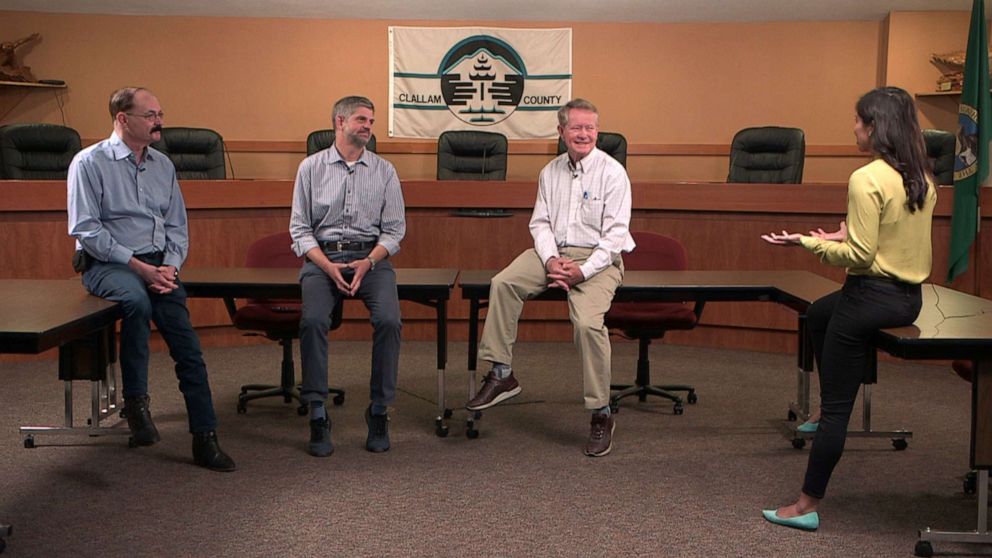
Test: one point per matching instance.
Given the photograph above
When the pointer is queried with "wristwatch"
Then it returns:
(371, 262)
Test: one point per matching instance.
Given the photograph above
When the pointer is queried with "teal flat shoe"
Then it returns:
(807, 521)
(808, 427)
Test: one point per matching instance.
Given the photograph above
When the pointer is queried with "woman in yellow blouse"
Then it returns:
(886, 250)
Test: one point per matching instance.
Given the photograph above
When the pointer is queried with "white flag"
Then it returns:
(511, 81)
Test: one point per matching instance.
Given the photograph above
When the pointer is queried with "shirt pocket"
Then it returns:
(591, 213)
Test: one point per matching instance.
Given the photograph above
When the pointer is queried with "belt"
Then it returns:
(346, 245)
(151, 258)
(861, 279)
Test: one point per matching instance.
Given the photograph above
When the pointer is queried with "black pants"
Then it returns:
(842, 325)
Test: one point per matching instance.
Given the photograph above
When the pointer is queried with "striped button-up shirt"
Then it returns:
(332, 201)
(118, 208)
(586, 206)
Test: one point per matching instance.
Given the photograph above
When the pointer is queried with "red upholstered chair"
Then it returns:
(278, 320)
(645, 321)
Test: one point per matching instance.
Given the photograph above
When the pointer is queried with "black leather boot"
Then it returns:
(139, 421)
(207, 452)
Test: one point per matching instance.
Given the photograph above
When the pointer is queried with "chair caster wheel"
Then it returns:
(970, 480)
(923, 548)
(441, 430)
(3, 546)
(242, 407)
(338, 400)
(302, 410)
(131, 443)
(447, 413)
(679, 409)
(471, 433)
(900, 444)
(798, 443)
(792, 417)
(691, 398)
(29, 443)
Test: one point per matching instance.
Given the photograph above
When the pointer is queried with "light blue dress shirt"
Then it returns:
(118, 208)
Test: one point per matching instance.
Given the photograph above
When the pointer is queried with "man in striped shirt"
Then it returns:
(347, 219)
(580, 227)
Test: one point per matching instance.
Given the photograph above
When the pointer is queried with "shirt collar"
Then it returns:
(120, 150)
(334, 156)
(585, 163)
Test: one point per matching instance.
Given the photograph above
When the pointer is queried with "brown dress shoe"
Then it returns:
(601, 435)
(493, 391)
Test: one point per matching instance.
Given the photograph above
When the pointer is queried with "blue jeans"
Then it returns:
(119, 283)
(842, 325)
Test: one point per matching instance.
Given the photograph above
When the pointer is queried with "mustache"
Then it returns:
(156, 128)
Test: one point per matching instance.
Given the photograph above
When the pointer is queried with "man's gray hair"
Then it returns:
(347, 106)
(577, 103)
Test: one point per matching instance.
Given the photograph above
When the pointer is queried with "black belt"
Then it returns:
(861, 279)
(151, 258)
(346, 245)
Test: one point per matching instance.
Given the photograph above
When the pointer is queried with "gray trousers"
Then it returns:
(378, 293)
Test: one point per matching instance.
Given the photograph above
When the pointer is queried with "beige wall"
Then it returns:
(913, 37)
(659, 84)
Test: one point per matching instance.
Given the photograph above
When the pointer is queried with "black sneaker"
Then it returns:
(139, 421)
(378, 438)
(320, 438)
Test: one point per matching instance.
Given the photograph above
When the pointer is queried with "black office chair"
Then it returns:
(614, 144)
(37, 151)
(940, 151)
(278, 320)
(645, 321)
(197, 153)
(318, 140)
(769, 155)
(470, 155)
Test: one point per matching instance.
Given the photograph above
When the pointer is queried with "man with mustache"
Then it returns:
(347, 219)
(129, 220)
(580, 227)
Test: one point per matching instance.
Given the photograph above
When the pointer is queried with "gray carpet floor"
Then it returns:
(689, 485)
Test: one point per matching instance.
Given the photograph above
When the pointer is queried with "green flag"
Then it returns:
(971, 163)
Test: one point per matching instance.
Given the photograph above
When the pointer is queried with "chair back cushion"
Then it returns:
(319, 140)
(654, 252)
(197, 153)
(470, 155)
(940, 152)
(37, 151)
(614, 144)
(278, 318)
(768, 154)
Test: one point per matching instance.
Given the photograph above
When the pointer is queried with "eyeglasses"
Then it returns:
(150, 115)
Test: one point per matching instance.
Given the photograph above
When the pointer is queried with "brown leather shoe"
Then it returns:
(601, 434)
(493, 391)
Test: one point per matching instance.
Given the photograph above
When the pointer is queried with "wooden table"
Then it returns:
(37, 315)
(955, 326)
(429, 286)
(794, 289)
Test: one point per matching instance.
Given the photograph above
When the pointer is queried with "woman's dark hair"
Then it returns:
(897, 138)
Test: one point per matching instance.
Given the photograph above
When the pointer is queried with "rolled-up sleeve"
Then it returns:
(393, 227)
(300, 224)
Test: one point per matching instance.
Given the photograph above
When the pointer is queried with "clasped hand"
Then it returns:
(337, 272)
(563, 273)
(160, 280)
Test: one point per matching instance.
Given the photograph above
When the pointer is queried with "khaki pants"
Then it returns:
(588, 302)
